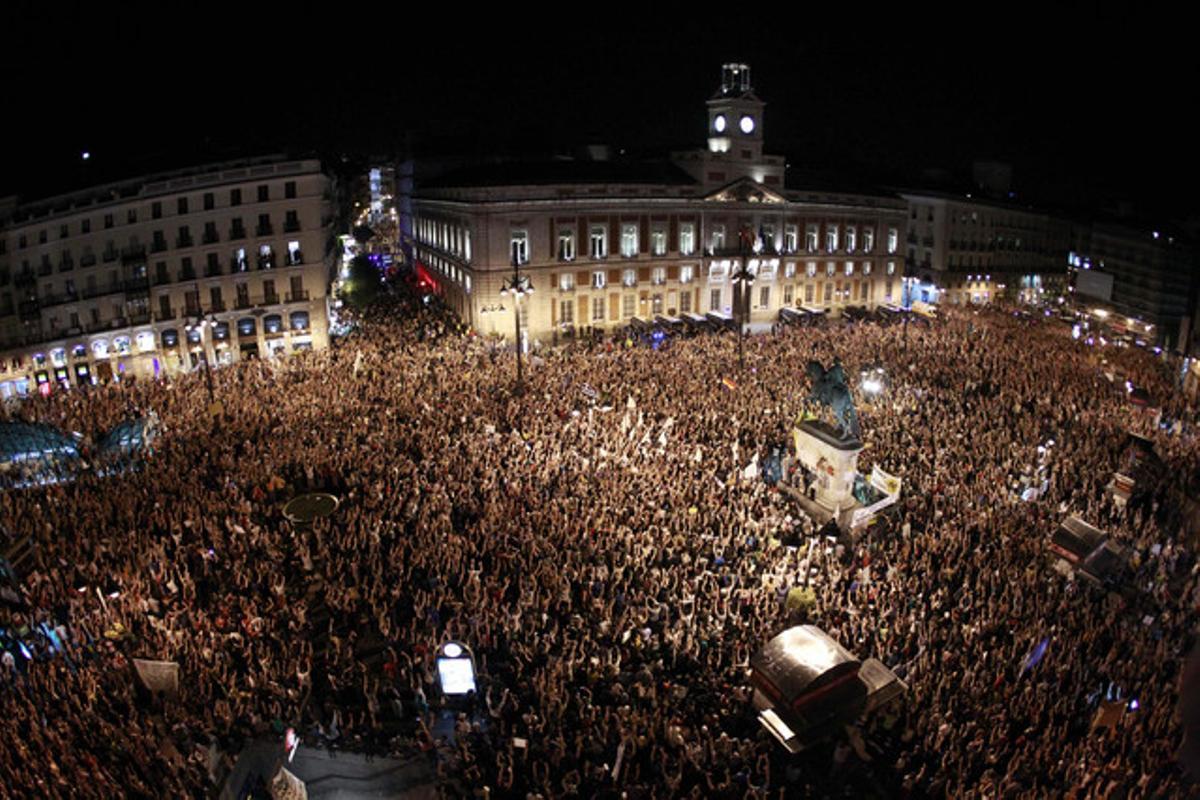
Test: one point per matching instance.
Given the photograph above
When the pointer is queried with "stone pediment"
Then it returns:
(745, 190)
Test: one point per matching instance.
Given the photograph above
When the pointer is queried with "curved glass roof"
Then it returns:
(28, 442)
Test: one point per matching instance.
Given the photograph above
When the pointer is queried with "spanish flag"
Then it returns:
(729, 383)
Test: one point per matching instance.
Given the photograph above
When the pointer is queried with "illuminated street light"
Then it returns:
(518, 286)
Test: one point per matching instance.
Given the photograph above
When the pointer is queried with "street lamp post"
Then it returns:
(519, 286)
(199, 325)
(742, 280)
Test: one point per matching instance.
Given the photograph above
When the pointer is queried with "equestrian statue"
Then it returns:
(829, 389)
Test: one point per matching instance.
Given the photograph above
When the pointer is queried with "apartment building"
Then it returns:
(161, 273)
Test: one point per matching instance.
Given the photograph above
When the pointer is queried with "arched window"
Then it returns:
(299, 320)
(170, 337)
(273, 323)
(100, 348)
(247, 326)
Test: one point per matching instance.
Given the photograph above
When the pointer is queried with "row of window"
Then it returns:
(445, 236)
(146, 341)
(159, 244)
(827, 292)
(156, 212)
(718, 271)
(125, 313)
(765, 240)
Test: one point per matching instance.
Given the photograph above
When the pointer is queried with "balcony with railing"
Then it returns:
(87, 260)
(212, 270)
(110, 255)
(133, 253)
(242, 303)
(187, 274)
(264, 230)
(295, 258)
(184, 241)
(271, 299)
(165, 316)
(237, 232)
(24, 278)
(44, 269)
(266, 262)
(298, 297)
(210, 237)
(58, 299)
(159, 245)
(140, 318)
(238, 265)
(291, 226)
(217, 307)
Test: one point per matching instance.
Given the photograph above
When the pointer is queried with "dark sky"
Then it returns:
(1089, 105)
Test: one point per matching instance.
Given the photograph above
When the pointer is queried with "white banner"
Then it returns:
(884, 482)
(158, 676)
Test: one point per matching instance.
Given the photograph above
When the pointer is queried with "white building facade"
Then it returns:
(156, 275)
(604, 243)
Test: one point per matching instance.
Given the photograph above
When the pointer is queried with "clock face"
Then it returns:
(719, 123)
(747, 124)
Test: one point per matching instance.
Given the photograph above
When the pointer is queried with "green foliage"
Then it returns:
(363, 285)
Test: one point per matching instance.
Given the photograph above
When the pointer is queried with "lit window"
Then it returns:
(629, 240)
(658, 276)
(851, 239)
(810, 269)
(687, 238)
(868, 236)
(849, 268)
(789, 269)
(831, 238)
(658, 242)
(519, 247)
(566, 281)
(686, 273)
(810, 238)
(599, 242)
(629, 277)
(717, 271)
(866, 268)
(566, 245)
(599, 279)
(893, 240)
(829, 268)
(791, 238)
(718, 237)
(628, 305)
(891, 268)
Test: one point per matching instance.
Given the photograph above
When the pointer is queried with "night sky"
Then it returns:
(1090, 106)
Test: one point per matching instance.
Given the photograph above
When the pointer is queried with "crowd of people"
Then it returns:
(600, 545)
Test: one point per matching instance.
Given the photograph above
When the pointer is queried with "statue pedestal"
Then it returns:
(832, 463)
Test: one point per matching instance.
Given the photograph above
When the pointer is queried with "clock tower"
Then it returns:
(735, 116)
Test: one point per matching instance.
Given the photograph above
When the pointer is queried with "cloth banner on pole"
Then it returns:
(885, 482)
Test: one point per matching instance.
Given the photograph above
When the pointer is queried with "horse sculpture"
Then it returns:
(829, 389)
